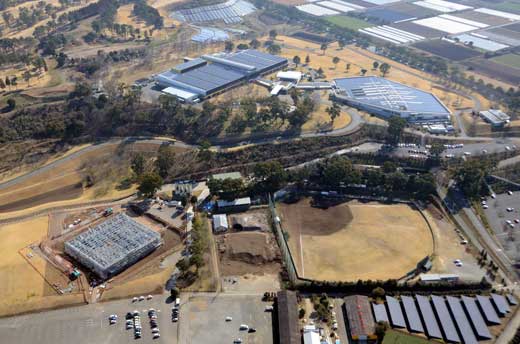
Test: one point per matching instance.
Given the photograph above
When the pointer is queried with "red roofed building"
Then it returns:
(360, 321)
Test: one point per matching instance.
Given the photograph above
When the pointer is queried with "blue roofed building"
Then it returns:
(214, 74)
(386, 98)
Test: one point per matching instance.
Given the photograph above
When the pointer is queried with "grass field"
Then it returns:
(510, 60)
(512, 6)
(348, 22)
(355, 240)
(23, 287)
(396, 337)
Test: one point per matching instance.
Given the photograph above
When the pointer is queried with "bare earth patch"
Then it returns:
(354, 240)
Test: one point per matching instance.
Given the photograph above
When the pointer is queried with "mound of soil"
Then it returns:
(256, 248)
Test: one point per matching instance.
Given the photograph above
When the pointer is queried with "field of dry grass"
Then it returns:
(23, 287)
(363, 59)
(355, 240)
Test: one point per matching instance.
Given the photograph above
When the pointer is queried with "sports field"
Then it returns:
(354, 240)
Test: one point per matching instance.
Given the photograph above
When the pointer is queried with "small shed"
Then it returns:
(220, 223)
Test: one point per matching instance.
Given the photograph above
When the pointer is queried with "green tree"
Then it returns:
(380, 331)
(273, 34)
(389, 167)
(307, 59)
(378, 292)
(335, 60)
(174, 293)
(347, 67)
(254, 44)
(339, 170)
(229, 46)
(274, 49)
(363, 71)
(137, 164)
(385, 69)
(334, 111)
(395, 129)
(11, 104)
(165, 159)
(269, 176)
(149, 184)
(296, 60)
(324, 47)
(436, 149)
(375, 64)
(470, 176)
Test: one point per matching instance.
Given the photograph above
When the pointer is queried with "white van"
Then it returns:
(177, 302)
(243, 327)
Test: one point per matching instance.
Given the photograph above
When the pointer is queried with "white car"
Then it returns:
(135, 299)
(485, 206)
(149, 297)
(229, 318)
(155, 330)
(493, 196)
(269, 308)
(510, 209)
(484, 203)
(237, 341)
(141, 298)
(243, 327)
(510, 192)
(511, 225)
(464, 242)
(517, 220)
(156, 335)
(508, 222)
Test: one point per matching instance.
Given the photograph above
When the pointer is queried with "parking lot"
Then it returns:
(89, 324)
(204, 319)
(498, 216)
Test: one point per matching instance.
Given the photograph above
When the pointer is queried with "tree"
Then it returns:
(378, 292)
(389, 167)
(269, 175)
(363, 71)
(335, 60)
(254, 44)
(273, 34)
(338, 170)
(228, 189)
(307, 59)
(395, 129)
(380, 331)
(149, 184)
(274, 49)
(347, 67)
(384, 68)
(27, 77)
(334, 111)
(165, 159)
(137, 164)
(341, 44)
(296, 59)
(242, 46)
(2, 84)
(324, 47)
(229, 46)
(436, 149)
(470, 177)
(375, 65)
(11, 104)
(8, 82)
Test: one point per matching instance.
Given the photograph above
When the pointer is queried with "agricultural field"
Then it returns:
(494, 70)
(350, 23)
(23, 272)
(510, 60)
(450, 51)
(512, 6)
(354, 240)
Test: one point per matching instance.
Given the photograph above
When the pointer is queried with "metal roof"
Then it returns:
(380, 312)
(468, 337)
(288, 317)
(512, 300)
(479, 325)
(500, 304)
(181, 68)
(410, 310)
(447, 325)
(228, 175)
(177, 92)
(425, 307)
(396, 314)
(390, 95)
(359, 316)
(220, 221)
(487, 309)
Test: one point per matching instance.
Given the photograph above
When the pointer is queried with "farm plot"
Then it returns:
(503, 35)
(352, 241)
(450, 24)
(495, 70)
(442, 6)
(388, 15)
(447, 50)
(412, 10)
(348, 22)
(483, 18)
(510, 60)
(418, 29)
(311, 37)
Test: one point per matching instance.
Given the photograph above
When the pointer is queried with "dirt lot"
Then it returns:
(355, 240)
(248, 253)
(23, 272)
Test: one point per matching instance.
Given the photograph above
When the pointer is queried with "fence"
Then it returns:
(282, 243)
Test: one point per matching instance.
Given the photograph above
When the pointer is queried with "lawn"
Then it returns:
(395, 337)
(510, 60)
(508, 6)
(348, 22)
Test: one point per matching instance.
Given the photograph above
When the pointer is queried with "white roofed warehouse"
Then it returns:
(386, 98)
(113, 245)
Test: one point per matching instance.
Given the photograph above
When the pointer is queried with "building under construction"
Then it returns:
(113, 245)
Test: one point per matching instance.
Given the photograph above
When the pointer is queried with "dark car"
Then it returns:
(251, 330)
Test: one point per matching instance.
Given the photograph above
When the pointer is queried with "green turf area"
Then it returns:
(348, 22)
(511, 6)
(395, 337)
(510, 60)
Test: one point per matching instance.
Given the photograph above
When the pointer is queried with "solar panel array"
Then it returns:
(396, 314)
(208, 34)
(230, 12)
(460, 319)
(500, 304)
(489, 312)
(412, 315)
(479, 325)
(432, 328)
(447, 325)
(380, 312)
(113, 244)
(512, 299)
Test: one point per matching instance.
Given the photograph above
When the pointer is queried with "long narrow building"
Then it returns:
(359, 319)
(288, 327)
